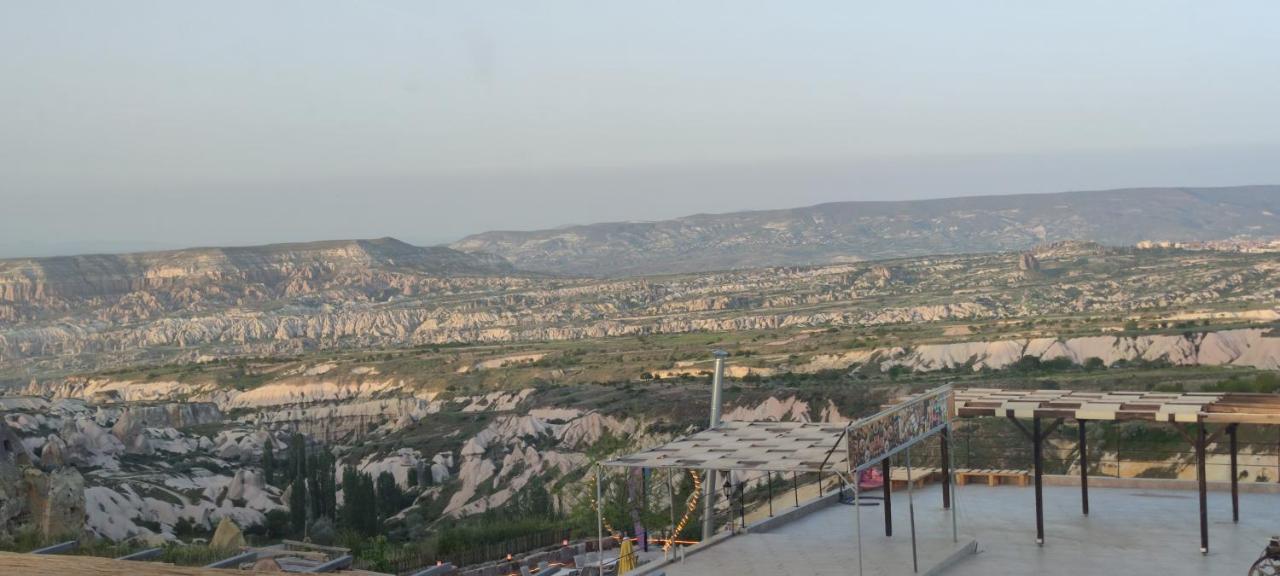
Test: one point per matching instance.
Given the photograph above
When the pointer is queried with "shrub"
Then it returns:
(322, 531)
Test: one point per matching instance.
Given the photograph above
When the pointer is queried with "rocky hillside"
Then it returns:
(847, 231)
(151, 465)
(384, 305)
(183, 278)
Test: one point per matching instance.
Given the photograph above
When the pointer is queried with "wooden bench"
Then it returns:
(993, 477)
(919, 477)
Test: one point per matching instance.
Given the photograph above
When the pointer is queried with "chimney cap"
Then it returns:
(719, 353)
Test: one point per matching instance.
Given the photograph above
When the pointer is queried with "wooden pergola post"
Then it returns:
(1235, 475)
(946, 468)
(1228, 410)
(888, 497)
(1084, 468)
(1037, 436)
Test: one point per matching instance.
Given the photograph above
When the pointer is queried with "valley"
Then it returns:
(161, 393)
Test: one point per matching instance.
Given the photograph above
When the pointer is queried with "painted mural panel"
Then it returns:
(900, 426)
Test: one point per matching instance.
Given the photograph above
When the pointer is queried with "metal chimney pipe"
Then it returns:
(709, 484)
(717, 387)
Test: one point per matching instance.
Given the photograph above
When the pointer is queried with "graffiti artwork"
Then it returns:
(896, 428)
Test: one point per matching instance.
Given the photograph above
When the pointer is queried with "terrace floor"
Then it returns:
(1129, 531)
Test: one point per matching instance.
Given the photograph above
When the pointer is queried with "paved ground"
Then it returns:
(1128, 532)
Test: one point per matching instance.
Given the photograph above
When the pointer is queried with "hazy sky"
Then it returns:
(137, 125)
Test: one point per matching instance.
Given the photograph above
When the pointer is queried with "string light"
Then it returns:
(595, 505)
(690, 507)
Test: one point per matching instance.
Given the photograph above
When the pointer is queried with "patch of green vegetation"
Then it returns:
(1262, 383)
(607, 446)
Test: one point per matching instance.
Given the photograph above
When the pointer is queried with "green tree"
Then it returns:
(349, 518)
(370, 506)
(389, 496)
(534, 501)
(298, 500)
(269, 462)
(1027, 364)
(360, 506)
(278, 523)
(298, 505)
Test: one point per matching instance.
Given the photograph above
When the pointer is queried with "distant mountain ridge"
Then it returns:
(269, 268)
(843, 231)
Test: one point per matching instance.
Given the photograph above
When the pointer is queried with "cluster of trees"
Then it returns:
(310, 478)
(312, 490)
(368, 502)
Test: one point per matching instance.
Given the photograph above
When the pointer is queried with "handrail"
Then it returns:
(58, 548)
(335, 564)
(148, 554)
(233, 560)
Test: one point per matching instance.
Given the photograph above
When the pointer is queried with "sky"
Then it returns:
(137, 125)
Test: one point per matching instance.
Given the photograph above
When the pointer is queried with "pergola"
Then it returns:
(1227, 410)
(759, 446)
(802, 447)
(847, 450)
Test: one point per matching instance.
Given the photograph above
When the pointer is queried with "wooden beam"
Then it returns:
(1183, 433)
(1230, 418)
(1052, 428)
(1024, 430)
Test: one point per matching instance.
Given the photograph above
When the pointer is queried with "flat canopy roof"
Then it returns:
(764, 446)
(815, 447)
(1224, 408)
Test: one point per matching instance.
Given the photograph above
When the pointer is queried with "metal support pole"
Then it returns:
(599, 518)
(1039, 472)
(1084, 468)
(946, 469)
(742, 505)
(1204, 494)
(708, 503)
(795, 488)
(955, 531)
(911, 512)
(709, 487)
(857, 518)
(671, 495)
(1235, 475)
(771, 494)
(643, 533)
(888, 497)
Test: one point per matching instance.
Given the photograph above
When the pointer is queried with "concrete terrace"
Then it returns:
(1129, 531)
